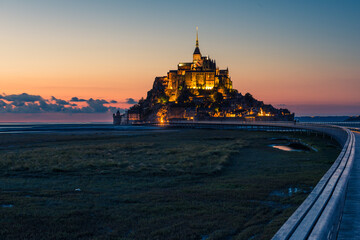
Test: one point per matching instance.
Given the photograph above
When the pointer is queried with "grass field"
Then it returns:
(182, 184)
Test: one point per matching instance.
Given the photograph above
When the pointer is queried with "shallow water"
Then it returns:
(7, 205)
(290, 191)
(285, 148)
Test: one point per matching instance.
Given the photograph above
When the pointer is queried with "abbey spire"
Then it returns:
(197, 54)
(197, 37)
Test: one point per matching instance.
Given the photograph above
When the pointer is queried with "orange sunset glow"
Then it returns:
(114, 51)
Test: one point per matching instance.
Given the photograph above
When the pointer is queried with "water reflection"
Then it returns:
(285, 148)
(290, 191)
(7, 205)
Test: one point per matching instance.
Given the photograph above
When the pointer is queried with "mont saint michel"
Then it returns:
(115, 122)
(199, 90)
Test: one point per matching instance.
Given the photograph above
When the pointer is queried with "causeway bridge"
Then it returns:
(332, 209)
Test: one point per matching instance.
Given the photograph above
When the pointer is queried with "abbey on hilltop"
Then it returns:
(198, 90)
(201, 73)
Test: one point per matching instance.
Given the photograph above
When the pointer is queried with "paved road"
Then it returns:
(350, 224)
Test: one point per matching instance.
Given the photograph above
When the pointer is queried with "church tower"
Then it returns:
(197, 54)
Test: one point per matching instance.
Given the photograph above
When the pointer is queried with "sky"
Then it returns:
(303, 55)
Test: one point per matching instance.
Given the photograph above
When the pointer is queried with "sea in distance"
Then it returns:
(78, 128)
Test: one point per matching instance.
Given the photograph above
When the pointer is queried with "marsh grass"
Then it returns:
(177, 185)
(124, 157)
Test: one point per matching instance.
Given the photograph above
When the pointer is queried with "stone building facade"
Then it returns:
(201, 73)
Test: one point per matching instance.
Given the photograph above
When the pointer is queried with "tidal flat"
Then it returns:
(178, 184)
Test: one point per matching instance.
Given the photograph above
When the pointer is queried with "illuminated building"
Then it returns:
(198, 90)
(201, 73)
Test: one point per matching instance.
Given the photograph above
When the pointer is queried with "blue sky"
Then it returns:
(297, 53)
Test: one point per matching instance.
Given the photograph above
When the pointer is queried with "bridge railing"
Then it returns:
(343, 124)
(332, 130)
(319, 216)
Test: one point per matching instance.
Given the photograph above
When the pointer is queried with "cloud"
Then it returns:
(2, 103)
(131, 101)
(96, 105)
(24, 97)
(20, 100)
(26, 103)
(18, 103)
(59, 101)
(114, 109)
(102, 101)
(29, 108)
(51, 107)
(76, 99)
